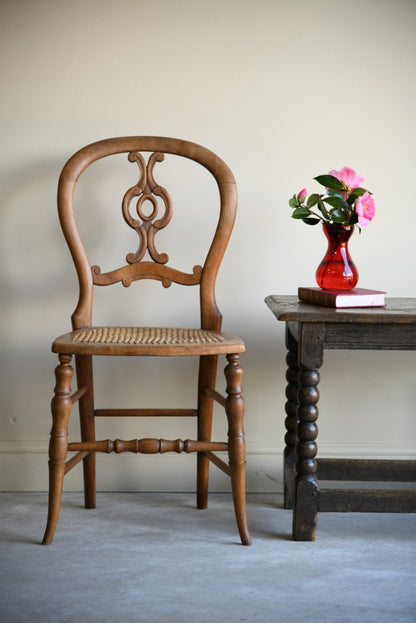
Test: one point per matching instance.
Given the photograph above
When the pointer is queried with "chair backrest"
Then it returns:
(148, 225)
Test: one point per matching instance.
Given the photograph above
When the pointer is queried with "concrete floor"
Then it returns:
(154, 558)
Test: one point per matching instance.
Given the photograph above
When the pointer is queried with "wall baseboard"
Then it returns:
(24, 467)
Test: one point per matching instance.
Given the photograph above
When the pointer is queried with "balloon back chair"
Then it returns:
(206, 341)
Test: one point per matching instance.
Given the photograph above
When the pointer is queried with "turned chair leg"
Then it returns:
(58, 445)
(207, 376)
(234, 407)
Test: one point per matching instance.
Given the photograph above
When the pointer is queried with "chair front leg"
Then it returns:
(58, 445)
(234, 408)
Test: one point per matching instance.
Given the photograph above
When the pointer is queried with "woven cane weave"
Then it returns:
(146, 335)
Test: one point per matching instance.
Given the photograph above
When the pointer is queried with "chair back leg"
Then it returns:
(87, 425)
(207, 377)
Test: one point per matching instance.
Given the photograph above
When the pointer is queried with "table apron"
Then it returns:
(370, 336)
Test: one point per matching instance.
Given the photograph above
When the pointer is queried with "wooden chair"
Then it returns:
(206, 342)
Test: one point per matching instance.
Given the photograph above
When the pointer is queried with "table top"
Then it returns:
(396, 311)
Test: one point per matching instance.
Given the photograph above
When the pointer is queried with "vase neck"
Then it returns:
(338, 234)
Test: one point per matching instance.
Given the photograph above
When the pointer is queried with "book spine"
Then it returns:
(327, 299)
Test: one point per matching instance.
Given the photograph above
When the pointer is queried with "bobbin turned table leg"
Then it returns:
(306, 499)
(310, 357)
(289, 455)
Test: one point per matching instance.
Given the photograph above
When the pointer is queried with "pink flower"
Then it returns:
(349, 177)
(301, 196)
(365, 209)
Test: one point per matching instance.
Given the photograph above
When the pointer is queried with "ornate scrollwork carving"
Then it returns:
(146, 270)
(146, 225)
(147, 191)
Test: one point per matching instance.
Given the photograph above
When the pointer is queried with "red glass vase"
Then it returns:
(337, 271)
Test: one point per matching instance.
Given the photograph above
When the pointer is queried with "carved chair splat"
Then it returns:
(206, 342)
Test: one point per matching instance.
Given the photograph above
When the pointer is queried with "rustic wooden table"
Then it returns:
(309, 330)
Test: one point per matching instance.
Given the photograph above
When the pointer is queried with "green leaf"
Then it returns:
(313, 200)
(338, 216)
(337, 202)
(293, 202)
(357, 192)
(335, 193)
(329, 181)
(323, 209)
(301, 213)
(311, 221)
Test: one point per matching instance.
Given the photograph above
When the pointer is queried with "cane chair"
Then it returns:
(206, 341)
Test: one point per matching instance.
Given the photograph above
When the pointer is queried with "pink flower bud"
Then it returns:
(301, 196)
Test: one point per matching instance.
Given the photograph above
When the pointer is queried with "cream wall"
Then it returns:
(283, 91)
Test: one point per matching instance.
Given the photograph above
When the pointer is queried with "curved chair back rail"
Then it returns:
(88, 276)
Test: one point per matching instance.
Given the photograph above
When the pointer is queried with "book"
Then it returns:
(357, 297)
